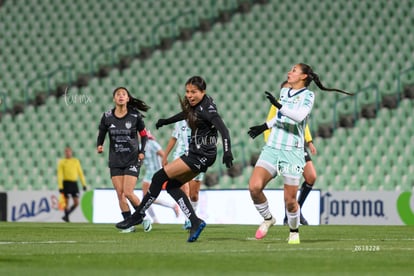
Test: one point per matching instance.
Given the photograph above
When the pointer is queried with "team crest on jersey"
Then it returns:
(128, 124)
(296, 99)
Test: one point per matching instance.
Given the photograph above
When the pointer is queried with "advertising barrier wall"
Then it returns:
(367, 208)
(215, 207)
(40, 206)
(220, 206)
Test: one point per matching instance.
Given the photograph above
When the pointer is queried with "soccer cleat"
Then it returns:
(147, 225)
(294, 238)
(264, 227)
(128, 230)
(135, 219)
(303, 221)
(196, 231)
(65, 218)
(187, 224)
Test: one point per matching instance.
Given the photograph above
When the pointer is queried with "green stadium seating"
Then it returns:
(240, 59)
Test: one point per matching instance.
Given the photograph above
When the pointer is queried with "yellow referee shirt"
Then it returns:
(69, 169)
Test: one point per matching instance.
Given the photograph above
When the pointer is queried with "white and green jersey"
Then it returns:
(183, 135)
(288, 125)
(152, 160)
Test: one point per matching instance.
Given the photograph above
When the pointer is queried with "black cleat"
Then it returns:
(65, 218)
(135, 219)
(196, 231)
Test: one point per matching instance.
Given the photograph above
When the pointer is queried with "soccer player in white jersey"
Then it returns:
(180, 138)
(283, 152)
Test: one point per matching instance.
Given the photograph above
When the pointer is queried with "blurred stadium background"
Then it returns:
(61, 60)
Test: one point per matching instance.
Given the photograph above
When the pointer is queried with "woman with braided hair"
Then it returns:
(283, 152)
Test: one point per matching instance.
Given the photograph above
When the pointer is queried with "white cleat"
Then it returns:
(294, 238)
(128, 230)
(264, 227)
(147, 225)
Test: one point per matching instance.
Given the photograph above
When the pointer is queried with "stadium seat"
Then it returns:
(237, 57)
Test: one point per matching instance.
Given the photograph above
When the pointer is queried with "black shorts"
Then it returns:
(198, 163)
(70, 188)
(132, 170)
(307, 155)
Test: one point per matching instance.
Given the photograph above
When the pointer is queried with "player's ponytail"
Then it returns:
(134, 103)
(137, 104)
(312, 76)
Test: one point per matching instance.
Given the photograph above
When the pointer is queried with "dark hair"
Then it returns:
(197, 81)
(283, 84)
(133, 103)
(312, 76)
(200, 83)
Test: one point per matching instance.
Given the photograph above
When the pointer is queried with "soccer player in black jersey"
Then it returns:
(124, 123)
(201, 114)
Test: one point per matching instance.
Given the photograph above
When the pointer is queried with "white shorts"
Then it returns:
(287, 163)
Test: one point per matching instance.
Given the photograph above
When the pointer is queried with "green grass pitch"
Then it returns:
(99, 249)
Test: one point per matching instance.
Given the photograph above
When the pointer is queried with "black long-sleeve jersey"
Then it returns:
(204, 134)
(123, 137)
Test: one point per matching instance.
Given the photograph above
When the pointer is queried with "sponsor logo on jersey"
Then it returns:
(297, 99)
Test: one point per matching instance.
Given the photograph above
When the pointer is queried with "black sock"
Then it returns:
(158, 179)
(126, 215)
(304, 192)
(146, 202)
(67, 212)
(181, 198)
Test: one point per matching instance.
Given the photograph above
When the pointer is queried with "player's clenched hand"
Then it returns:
(160, 123)
(228, 159)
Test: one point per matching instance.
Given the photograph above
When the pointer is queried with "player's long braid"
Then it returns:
(312, 76)
(185, 104)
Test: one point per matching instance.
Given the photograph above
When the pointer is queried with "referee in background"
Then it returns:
(68, 172)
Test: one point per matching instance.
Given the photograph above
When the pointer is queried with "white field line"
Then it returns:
(49, 242)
